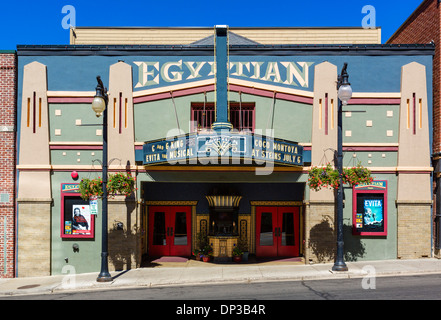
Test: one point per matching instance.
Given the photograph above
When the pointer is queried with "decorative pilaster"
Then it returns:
(414, 179)
(34, 192)
(324, 122)
(320, 209)
(121, 133)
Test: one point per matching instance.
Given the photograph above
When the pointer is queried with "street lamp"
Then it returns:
(99, 105)
(344, 95)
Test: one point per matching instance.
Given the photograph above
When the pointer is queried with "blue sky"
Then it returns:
(40, 22)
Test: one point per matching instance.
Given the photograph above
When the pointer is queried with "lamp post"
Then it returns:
(99, 105)
(344, 95)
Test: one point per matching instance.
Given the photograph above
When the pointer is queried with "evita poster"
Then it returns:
(370, 213)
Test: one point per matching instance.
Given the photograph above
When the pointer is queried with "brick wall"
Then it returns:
(34, 232)
(7, 163)
(321, 236)
(124, 245)
(422, 27)
(413, 231)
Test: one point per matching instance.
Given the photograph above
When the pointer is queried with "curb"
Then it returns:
(173, 276)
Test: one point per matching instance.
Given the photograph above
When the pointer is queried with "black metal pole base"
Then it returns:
(339, 267)
(339, 264)
(104, 275)
(104, 278)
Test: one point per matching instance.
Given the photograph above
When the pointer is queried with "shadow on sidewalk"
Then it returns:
(173, 261)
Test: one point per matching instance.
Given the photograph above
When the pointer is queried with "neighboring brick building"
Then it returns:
(422, 27)
(7, 162)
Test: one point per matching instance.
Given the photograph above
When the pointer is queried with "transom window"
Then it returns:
(241, 116)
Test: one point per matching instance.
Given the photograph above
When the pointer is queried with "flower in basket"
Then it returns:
(91, 188)
(357, 175)
(322, 177)
(120, 183)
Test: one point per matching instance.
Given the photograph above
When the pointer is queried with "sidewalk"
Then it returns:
(198, 273)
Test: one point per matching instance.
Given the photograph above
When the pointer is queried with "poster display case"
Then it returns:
(370, 209)
(77, 220)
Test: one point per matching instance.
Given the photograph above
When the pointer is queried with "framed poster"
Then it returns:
(76, 218)
(370, 209)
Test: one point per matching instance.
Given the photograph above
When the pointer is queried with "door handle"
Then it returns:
(171, 231)
(277, 232)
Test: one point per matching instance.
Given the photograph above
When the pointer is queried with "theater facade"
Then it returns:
(221, 138)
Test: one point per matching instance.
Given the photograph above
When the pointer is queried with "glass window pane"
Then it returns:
(159, 236)
(180, 231)
(266, 229)
(288, 238)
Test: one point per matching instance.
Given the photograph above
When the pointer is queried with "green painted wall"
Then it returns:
(153, 120)
(378, 159)
(381, 123)
(364, 248)
(66, 122)
(88, 258)
(76, 157)
(292, 121)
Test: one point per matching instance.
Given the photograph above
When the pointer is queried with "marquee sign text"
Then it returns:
(223, 148)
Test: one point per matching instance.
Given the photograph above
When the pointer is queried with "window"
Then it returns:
(223, 222)
(241, 116)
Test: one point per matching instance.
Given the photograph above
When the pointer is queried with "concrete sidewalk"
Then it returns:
(198, 273)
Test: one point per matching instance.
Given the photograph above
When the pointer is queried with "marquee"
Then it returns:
(222, 148)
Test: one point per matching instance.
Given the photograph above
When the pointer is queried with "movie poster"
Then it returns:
(370, 214)
(81, 222)
(77, 219)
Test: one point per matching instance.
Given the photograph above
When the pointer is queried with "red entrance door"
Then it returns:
(277, 232)
(169, 231)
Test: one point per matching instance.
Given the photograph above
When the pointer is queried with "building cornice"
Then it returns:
(234, 50)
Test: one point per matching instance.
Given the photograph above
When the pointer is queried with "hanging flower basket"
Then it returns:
(322, 177)
(357, 175)
(120, 184)
(117, 184)
(328, 177)
(91, 188)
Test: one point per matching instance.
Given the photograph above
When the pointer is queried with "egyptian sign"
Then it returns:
(167, 72)
(222, 148)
